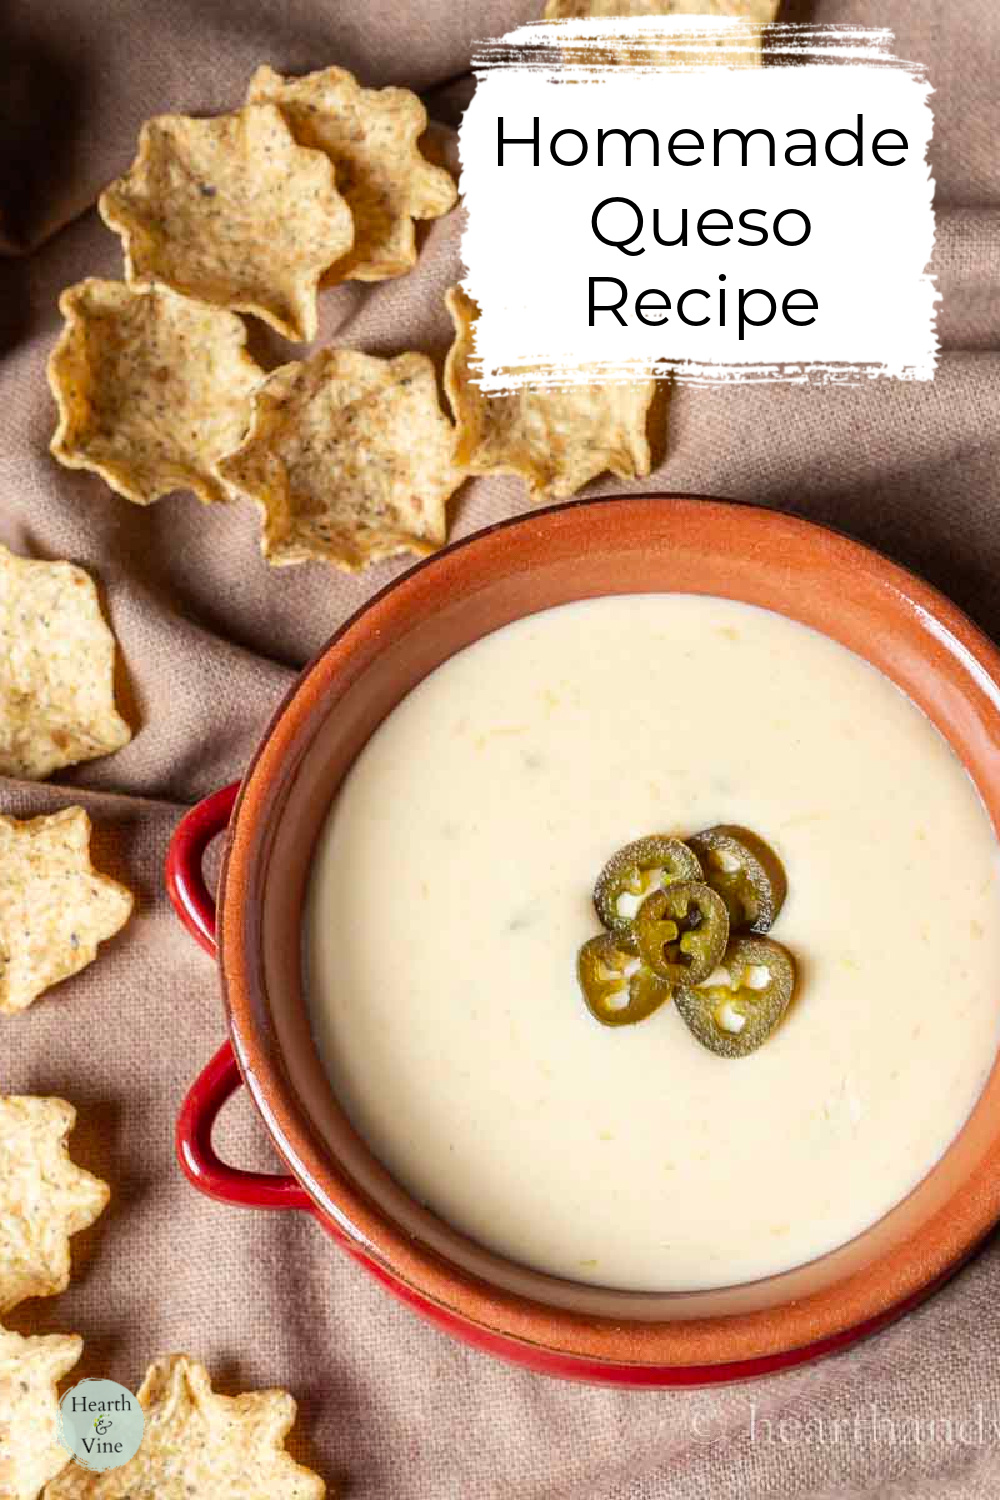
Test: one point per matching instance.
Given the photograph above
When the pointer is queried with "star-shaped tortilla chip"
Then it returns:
(233, 211)
(200, 1446)
(371, 137)
(57, 659)
(54, 906)
(349, 458)
(556, 440)
(30, 1451)
(152, 388)
(751, 10)
(715, 49)
(44, 1197)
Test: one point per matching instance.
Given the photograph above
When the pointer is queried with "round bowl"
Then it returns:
(577, 551)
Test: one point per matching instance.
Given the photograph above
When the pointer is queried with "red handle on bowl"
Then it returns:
(198, 1158)
(218, 1082)
(185, 882)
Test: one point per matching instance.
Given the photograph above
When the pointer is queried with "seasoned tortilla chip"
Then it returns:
(233, 211)
(758, 11)
(54, 907)
(556, 440)
(152, 388)
(571, 10)
(30, 1369)
(57, 658)
(349, 458)
(44, 1197)
(371, 137)
(200, 1446)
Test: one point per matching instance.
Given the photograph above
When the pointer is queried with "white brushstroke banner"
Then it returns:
(823, 278)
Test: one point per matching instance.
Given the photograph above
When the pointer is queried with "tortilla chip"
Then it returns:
(44, 1198)
(152, 388)
(232, 211)
(573, 10)
(57, 659)
(556, 440)
(758, 11)
(200, 1446)
(54, 907)
(371, 137)
(349, 458)
(30, 1369)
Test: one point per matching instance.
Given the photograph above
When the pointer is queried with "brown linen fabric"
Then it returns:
(211, 637)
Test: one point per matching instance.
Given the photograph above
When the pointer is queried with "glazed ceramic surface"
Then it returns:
(452, 890)
(901, 626)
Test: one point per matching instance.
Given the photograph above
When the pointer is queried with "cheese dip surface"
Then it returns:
(452, 887)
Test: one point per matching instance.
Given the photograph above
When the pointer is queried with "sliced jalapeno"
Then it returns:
(617, 986)
(682, 931)
(747, 874)
(735, 1016)
(633, 873)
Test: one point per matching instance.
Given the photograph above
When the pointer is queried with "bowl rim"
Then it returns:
(902, 1276)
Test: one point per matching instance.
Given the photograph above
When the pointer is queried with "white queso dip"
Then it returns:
(452, 889)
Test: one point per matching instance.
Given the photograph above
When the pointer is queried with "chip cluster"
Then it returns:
(347, 457)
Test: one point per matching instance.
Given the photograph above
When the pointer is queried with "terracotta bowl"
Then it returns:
(910, 632)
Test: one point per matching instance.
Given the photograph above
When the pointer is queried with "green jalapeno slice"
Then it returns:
(737, 1014)
(682, 931)
(633, 873)
(617, 986)
(747, 874)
